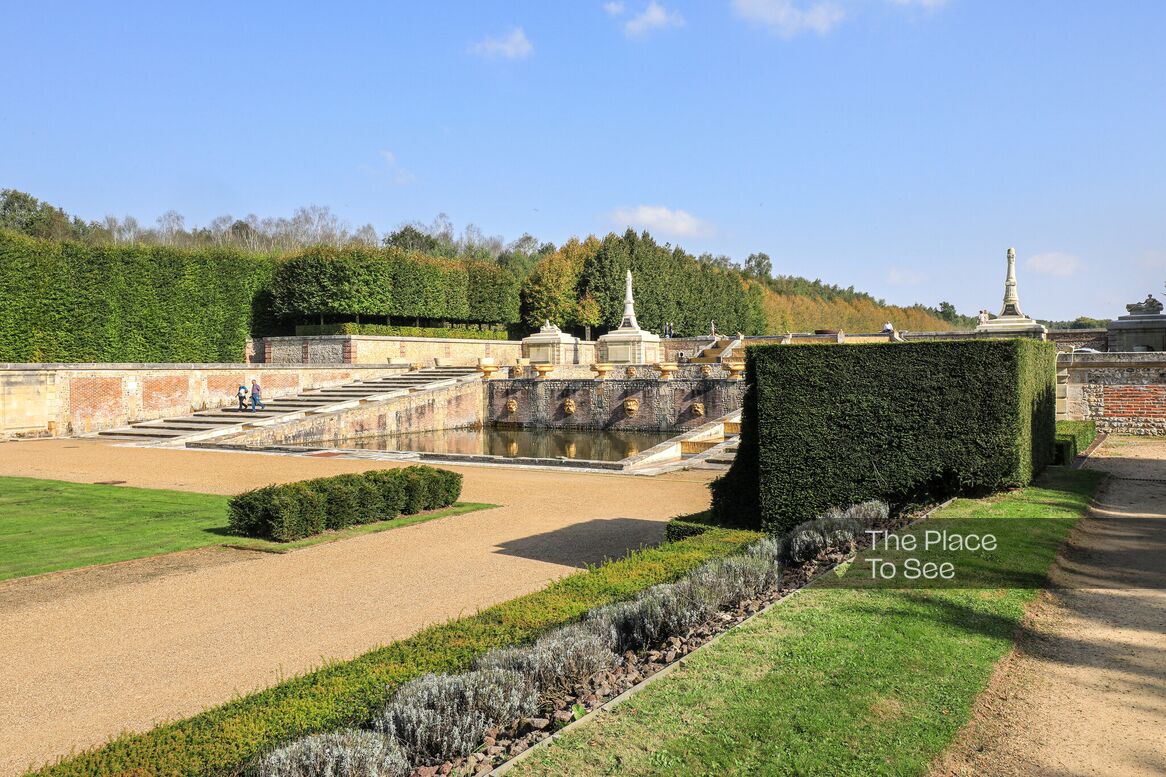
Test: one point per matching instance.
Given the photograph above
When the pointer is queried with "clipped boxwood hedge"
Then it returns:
(684, 526)
(389, 330)
(833, 425)
(292, 511)
(1073, 438)
(225, 739)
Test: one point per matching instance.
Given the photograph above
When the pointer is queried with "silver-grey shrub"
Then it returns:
(558, 660)
(869, 514)
(438, 717)
(348, 753)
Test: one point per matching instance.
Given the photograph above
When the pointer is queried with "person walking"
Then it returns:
(256, 396)
(242, 394)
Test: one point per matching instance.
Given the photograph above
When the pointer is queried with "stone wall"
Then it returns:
(458, 406)
(370, 349)
(662, 405)
(45, 400)
(1068, 339)
(1124, 393)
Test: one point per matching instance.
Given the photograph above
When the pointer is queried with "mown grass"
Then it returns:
(838, 681)
(53, 525)
(50, 525)
(224, 739)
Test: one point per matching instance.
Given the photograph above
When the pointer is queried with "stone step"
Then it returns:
(137, 432)
(208, 423)
(171, 426)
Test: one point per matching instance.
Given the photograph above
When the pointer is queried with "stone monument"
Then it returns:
(550, 345)
(629, 344)
(1143, 329)
(1011, 322)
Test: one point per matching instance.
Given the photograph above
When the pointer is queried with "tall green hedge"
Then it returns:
(68, 302)
(833, 425)
(391, 282)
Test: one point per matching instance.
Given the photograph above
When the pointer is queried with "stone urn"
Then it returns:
(543, 370)
(487, 367)
(667, 370)
(736, 370)
(631, 406)
(601, 371)
(698, 409)
(512, 406)
(569, 407)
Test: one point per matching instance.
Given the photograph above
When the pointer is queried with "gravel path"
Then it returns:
(88, 653)
(1084, 693)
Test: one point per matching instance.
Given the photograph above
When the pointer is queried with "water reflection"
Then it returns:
(587, 444)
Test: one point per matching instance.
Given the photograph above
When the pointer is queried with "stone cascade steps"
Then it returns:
(712, 354)
(229, 419)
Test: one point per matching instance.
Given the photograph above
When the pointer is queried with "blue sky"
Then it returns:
(897, 145)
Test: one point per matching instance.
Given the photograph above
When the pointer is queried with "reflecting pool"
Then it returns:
(584, 444)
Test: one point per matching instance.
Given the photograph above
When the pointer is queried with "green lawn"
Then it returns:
(837, 681)
(50, 525)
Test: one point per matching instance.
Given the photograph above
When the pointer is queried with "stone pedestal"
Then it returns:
(1011, 322)
(629, 344)
(1137, 333)
(550, 345)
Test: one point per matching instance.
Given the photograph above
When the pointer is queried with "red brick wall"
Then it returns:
(93, 403)
(1135, 401)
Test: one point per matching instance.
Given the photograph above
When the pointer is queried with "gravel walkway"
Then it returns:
(88, 653)
(1084, 693)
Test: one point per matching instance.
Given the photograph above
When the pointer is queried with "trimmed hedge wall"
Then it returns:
(292, 511)
(684, 526)
(69, 302)
(225, 739)
(1073, 437)
(392, 282)
(387, 330)
(832, 425)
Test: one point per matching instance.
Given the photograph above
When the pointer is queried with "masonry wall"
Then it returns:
(370, 349)
(600, 404)
(1124, 393)
(461, 405)
(45, 400)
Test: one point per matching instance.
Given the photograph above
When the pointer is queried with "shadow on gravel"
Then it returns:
(590, 542)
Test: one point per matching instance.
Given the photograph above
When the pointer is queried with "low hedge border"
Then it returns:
(683, 526)
(222, 740)
(1073, 439)
(389, 330)
(293, 511)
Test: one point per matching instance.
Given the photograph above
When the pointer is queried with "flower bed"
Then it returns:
(516, 697)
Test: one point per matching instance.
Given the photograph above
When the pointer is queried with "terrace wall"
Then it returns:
(1124, 393)
(46, 400)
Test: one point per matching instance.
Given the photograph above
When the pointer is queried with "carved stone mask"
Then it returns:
(512, 406)
(569, 407)
(698, 409)
(631, 406)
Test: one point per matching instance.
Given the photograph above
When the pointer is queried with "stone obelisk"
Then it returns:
(629, 307)
(1011, 298)
(628, 344)
(1011, 322)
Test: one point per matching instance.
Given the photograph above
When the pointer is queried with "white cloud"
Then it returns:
(788, 18)
(654, 17)
(1054, 263)
(661, 220)
(614, 8)
(515, 45)
(399, 175)
(897, 276)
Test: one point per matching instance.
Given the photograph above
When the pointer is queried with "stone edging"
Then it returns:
(608, 706)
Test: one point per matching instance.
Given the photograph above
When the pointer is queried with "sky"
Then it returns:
(899, 146)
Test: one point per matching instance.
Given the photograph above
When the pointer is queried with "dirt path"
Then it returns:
(1084, 693)
(89, 653)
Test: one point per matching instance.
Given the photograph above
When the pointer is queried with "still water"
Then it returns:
(586, 444)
